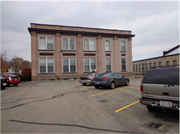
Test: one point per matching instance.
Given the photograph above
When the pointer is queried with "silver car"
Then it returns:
(87, 80)
(160, 88)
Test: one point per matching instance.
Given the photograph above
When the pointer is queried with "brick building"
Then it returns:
(65, 52)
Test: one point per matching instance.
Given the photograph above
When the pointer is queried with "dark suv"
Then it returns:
(160, 88)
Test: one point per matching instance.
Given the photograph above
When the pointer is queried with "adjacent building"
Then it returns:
(165, 58)
(66, 52)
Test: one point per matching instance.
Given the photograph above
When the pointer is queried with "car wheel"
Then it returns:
(84, 84)
(127, 83)
(2, 87)
(112, 85)
(151, 108)
(97, 87)
(15, 84)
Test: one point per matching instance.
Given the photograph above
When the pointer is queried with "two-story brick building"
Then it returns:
(63, 52)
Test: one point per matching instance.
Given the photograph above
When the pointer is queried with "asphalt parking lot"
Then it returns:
(69, 107)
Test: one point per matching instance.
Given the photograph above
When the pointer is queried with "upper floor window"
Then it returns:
(123, 45)
(107, 45)
(46, 65)
(69, 65)
(68, 43)
(89, 45)
(89, 64)
(46, 43)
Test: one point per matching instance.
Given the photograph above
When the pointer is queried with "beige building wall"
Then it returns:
(100, 53)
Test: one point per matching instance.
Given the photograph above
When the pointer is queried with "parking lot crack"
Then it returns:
(72, 125)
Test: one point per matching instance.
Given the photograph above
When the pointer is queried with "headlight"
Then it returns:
(10, 78)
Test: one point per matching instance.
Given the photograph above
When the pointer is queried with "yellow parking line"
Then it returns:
(107, 92)
(126, 106)
(75, 85)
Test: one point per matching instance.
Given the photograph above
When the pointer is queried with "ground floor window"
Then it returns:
(46, 65)
(69, 65)
(89, 64)
(123, 64)
(175, 62)
(108, 64)
(167, 63)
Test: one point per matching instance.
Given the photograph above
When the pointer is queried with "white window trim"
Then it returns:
(68, 43)
(46, 65)
(110, 64)
(89, 45)
(89, 64)
(124, 45)
(69, 66)
(45, 42)
(110, 45)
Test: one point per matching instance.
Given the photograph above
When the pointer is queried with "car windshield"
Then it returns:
(89, 75)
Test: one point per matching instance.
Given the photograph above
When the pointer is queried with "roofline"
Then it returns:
(155, 57)
(172, 49)
(70, 32)
(80, 27)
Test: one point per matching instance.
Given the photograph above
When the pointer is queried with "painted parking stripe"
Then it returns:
(75, 85)
(134, 87)
(84, 88)
(126, 106)
(107, 92)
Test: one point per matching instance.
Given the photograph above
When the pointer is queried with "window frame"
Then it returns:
(110, 64)
(89, 64)
(69, 65)
(46, 66)
(89, 44)
(122, 64)
(167, 62)
(69, 43)
(109, 45)
(124, 45)
(176, 63)
(45, 42)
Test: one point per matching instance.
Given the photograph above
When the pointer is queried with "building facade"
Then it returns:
(67, 52)
(165, 58)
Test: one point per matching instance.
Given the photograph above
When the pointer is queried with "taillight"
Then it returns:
(93, 78)
(105, 78)
(10, 78)
(141, 88)
(87, 78)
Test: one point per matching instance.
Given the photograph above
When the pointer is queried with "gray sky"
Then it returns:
(155, 24)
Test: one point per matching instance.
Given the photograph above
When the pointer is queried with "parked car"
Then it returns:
(88, 78)
(110, 80)
(3, 82)
(12, 79)
(160, 88)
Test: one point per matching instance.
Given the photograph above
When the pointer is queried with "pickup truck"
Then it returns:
(160, 88)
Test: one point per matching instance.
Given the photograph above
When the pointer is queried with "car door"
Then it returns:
(121, 79)
(116, 78)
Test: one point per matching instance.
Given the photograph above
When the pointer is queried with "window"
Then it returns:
(133, 68)
(142, 67)
(89, 45)
(139, 68)
(123, 63)
(107, 45)
(89, 64)
(154, 64)
(167, 63)
(159, 64)
(123, 45)
(150, 65)
(69, 65)
(46, 43)
(175, 63)
(146, 67)
(46, 65)
(69, 44)
(108, 64)
(136, 68)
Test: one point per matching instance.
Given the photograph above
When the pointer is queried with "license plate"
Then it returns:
(4, 84)
(166, 103)
(97, 82)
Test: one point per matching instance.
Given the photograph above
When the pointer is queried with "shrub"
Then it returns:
(25, 77)
(26, 71)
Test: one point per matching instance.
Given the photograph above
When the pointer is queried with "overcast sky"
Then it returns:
(155, 24)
